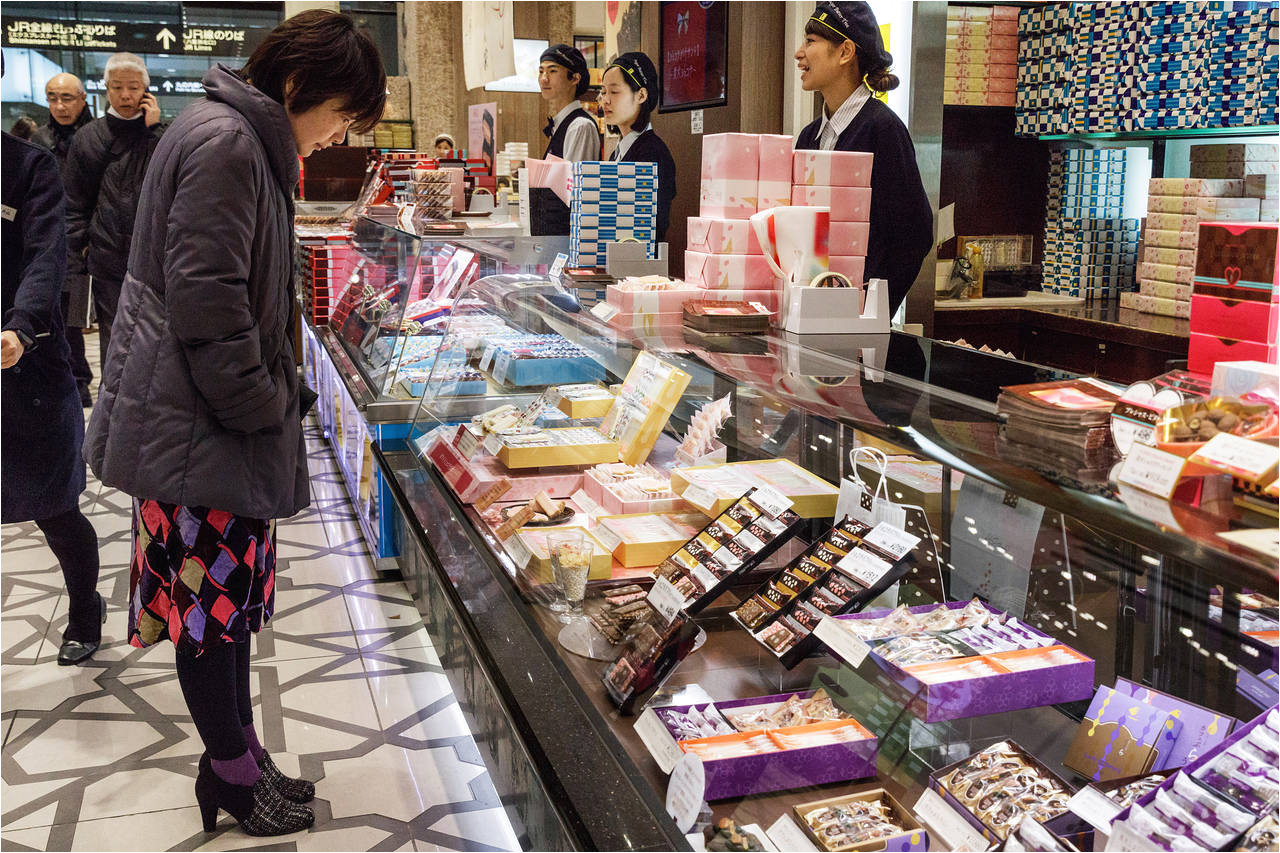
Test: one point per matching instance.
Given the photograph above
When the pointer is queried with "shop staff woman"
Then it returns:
(198, 417)
(628, 94)
(843, 58)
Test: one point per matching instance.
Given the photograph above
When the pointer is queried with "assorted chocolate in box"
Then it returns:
(839, 573)
(762, 744)
(739, 539)
(865, 821)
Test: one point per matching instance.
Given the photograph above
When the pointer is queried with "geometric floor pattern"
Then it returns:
(347, 692)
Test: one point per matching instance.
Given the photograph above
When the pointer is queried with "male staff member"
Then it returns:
(68, 112)
(572, 133)
(105, 168)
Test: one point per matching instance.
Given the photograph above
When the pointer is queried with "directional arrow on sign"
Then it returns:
(166, 38)
(167, 85)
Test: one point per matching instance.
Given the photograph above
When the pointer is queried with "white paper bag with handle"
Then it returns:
(859, 500)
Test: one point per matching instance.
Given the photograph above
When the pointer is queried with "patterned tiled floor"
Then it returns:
(347, 691)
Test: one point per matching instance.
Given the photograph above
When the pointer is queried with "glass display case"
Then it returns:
(369, 363)
(823, 567)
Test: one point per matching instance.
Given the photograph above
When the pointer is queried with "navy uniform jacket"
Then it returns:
(901, 232)
(41, 421)
(649, 148)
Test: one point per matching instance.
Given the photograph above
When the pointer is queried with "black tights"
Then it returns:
(74, 542)
(215, 685)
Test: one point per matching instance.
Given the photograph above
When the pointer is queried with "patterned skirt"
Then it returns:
(199, 576)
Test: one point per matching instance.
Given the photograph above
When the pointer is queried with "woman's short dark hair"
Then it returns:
(645, 109)
(324, 56)
(877, 78)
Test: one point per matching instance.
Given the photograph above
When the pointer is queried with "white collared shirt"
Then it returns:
(581, 139)
(834, 125)
(625, 144)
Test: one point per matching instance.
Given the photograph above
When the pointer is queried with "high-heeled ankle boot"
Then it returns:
(294, 790)
(260, 809)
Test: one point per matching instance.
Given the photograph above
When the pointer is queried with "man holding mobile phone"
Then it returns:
(105, 167)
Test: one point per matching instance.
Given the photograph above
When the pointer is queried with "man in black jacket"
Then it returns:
(105, 168)
(68, 112)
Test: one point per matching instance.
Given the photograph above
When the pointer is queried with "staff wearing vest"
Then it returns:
(628, 94)
(843, 58)
(571, 131)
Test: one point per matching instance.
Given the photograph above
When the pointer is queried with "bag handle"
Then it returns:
(881, 463)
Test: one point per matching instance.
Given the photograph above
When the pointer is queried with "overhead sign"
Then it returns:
(170, 37)
(159, 85)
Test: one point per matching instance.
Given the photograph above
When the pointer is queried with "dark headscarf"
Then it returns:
(571, 58)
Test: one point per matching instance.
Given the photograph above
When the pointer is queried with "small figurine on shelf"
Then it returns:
(730, 836)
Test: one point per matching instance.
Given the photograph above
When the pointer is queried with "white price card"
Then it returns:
(700, 497)
(493, 443)
(852, 649)
(772, 502)
(519, 551)
(892, 540)
(786, 834)
(557, 266)
(664, 598)
(501, 365)
(606, 537)
(1152, 470)
(1254, 461)
(951, 826)
(686, 790)
(659, 740)
(604, 311)
(1095, 807)
(486, 358)
(864, 567)
(704, 577)
(466, 442)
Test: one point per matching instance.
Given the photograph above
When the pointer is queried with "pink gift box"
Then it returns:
(646, 323)
(831, 169)
(650, 301)
(850, 266)
(1207, 350)
(724, 236)
(775, 158)
(728, 199)
(732, 156)
(849, 238)
(848, 204)
(771, 194)
(729, 272)
(471, 479)
(1243, 319)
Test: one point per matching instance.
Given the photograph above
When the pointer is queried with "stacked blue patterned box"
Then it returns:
(1121, 67)
(611, 203)
(1090, 251)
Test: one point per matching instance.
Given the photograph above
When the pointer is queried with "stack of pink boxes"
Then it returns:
(840, 180)
(1176, 206)
(1235, 304)
(982, 56)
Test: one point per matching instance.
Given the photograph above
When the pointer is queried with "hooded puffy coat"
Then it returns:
(199, 399)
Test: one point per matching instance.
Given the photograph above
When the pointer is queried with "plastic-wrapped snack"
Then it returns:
(1265, 835)
(1154, 831)
(1125, 795)
(1250, 783)
(778, 637)
(1208, 808)
(917, 648)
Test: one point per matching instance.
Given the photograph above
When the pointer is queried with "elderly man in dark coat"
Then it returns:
(41, 423)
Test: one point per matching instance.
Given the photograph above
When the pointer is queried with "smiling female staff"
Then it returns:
(843, 58)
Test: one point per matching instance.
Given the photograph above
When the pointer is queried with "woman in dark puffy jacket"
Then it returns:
(198, 414)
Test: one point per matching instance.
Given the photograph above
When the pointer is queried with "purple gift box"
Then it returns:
(975, 697)
(742, 776)
(1202, 729)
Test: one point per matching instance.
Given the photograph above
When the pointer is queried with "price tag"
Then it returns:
(695, 122)
(701, 498)
(535, 409)
(761, 308)
(493, 443)
(1248, 460)
(1152, 470)
(849, 648)
(487, 358)
(664, 599)
(557, 266)
(606, 537)
(659, 740)
(864, 567)
(697, 842)
(604, 311)
(772, 502)
(703, 576)
(786, 834)
(686, 790)
(519, 551)
(466, 442)
(1095, 807)
(955, 831)
(501, 366)
(892, 540)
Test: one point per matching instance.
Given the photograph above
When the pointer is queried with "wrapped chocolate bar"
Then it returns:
(652, 650)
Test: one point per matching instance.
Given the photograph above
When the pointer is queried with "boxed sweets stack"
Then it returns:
(1090, 251)
(1235, 300)
(1175, 207)
(1101, 74)
(840, 180)
(762, 743)
(1062, 426)
(1236, 160)
(1243, 64)
(982, 56)
(742, 173)
(1045, 43)
(325, 263)
(611, 203)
